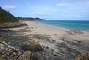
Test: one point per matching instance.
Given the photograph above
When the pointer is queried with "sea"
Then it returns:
(69, 24)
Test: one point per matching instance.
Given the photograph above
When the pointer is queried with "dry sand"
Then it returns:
(39, 28)
(35, 27)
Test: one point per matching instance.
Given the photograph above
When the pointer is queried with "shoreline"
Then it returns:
(50, 27)
(59, 27)
(55, 42)
(44, 28)
(56, 33)
(67, 27)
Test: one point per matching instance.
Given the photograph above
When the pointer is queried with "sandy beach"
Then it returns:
(39, 28)
(57, 43)
(44, 30)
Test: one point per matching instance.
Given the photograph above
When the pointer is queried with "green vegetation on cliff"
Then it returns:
(6, 16)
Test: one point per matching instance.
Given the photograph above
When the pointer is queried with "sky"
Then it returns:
(48, 9)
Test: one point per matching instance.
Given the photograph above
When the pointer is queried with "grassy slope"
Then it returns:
(8, 20)
(6, 16)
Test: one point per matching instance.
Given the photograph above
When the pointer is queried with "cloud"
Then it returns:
(61, 9)
(43, 10)
(63, 4)
(73, 10)
(9, 7)
(73, 3)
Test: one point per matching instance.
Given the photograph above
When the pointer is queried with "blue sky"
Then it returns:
(49, 9)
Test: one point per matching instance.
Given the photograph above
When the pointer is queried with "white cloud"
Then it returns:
(77, 3)
(8, 7)
(63, 4)
(43, 10)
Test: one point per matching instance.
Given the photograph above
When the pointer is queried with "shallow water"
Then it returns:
(69, 24)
